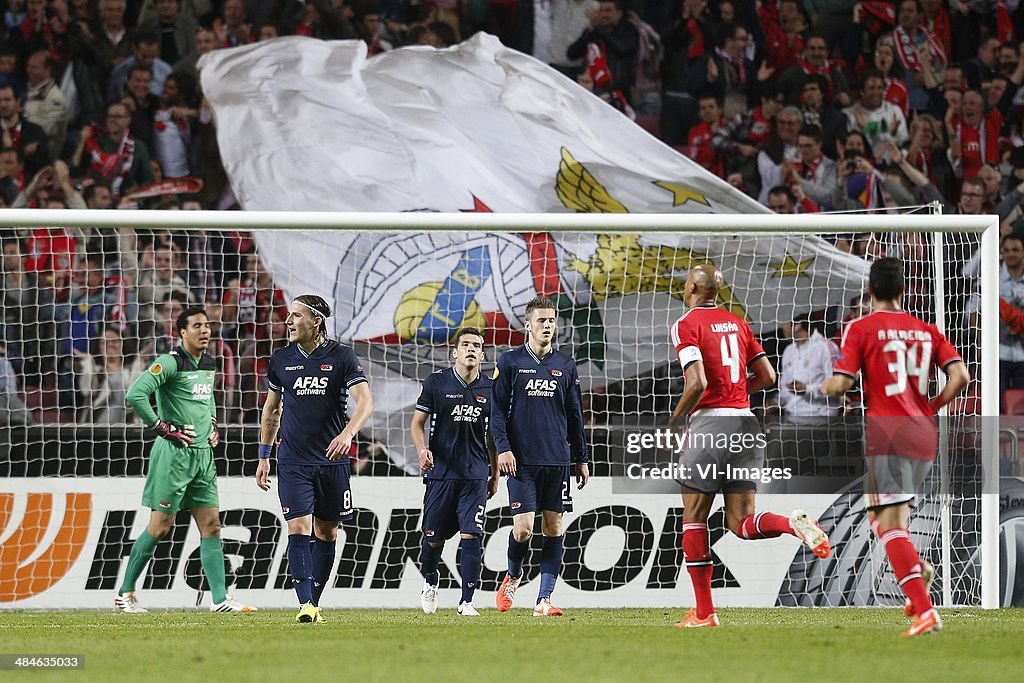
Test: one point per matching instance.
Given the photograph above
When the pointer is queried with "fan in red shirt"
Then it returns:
(699, 143)
(894, 353)
(716, 349)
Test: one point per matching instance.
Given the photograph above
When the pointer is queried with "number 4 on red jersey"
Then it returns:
(726, 345)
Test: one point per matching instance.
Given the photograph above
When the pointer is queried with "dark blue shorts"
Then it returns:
(319, 490)
(539, 487)
(451, 505)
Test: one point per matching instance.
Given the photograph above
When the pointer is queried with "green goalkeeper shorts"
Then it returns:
(180, 478)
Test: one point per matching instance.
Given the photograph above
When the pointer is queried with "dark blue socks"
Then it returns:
(469, 566)
(323, 562)
(429, 557)
(300, 564)
(550, 564)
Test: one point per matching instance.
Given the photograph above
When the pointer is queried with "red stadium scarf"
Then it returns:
(760, 127)
(737, 67)
(1004, 25)
(111, 164)
(696, 39)
(823, 70)
(877, 16)
(810, 167)
(907, 51)
(15, 133)
(940, 27)
(896, 92)
(597, 66)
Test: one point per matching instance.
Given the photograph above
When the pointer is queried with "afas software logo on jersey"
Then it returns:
(21, 579)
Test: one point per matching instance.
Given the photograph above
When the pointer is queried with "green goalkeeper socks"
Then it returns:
(212, 557)
(142, 550)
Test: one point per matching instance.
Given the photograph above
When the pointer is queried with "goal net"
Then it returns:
(87, 307)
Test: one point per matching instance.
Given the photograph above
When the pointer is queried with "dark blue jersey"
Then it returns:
(460, 416)
(538, 409)
(314, 394)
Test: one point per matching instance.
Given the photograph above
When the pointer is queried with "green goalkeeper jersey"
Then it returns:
(184, 392)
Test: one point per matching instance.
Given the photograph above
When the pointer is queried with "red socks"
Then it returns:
(697, 553)
(765, 525)
(906, 564)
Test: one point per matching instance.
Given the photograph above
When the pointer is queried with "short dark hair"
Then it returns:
(182, 322)
(886, 278)
(1016, 236)
(139, 67)
(818, 80)
(146, 38)
(769, 91)
(466, 331)
(818, 36)
(811, 130)
(726, 32)
(868, 75)
(90, 192)
(47, 59)
(540, 302)
(783, 189)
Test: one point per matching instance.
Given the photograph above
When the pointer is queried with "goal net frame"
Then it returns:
(935, 226)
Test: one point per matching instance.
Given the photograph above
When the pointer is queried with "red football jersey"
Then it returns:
(895, 352)
(726, 345)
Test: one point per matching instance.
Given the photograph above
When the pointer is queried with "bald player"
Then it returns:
(723, 364)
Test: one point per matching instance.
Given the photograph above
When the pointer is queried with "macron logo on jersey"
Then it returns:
(293, 367)
(310, 386)
(544, 388)
(528, 371)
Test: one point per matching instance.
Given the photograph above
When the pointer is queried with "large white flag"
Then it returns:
(305, 124)
(399, 297)
(311, 125)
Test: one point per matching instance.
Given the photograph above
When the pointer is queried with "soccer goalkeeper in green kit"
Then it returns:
(181, 474)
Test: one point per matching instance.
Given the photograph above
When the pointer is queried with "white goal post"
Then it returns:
(620, 537)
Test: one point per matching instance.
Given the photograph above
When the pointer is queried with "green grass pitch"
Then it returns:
(802, 645)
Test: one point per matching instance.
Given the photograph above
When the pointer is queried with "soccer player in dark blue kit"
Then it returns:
(537, 425)
(312, 379)
(459, 465)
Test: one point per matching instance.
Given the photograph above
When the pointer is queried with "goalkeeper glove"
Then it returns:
(179, 436)
(214, 435)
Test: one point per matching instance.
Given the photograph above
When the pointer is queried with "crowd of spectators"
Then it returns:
(805, 105)
(83, 311)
